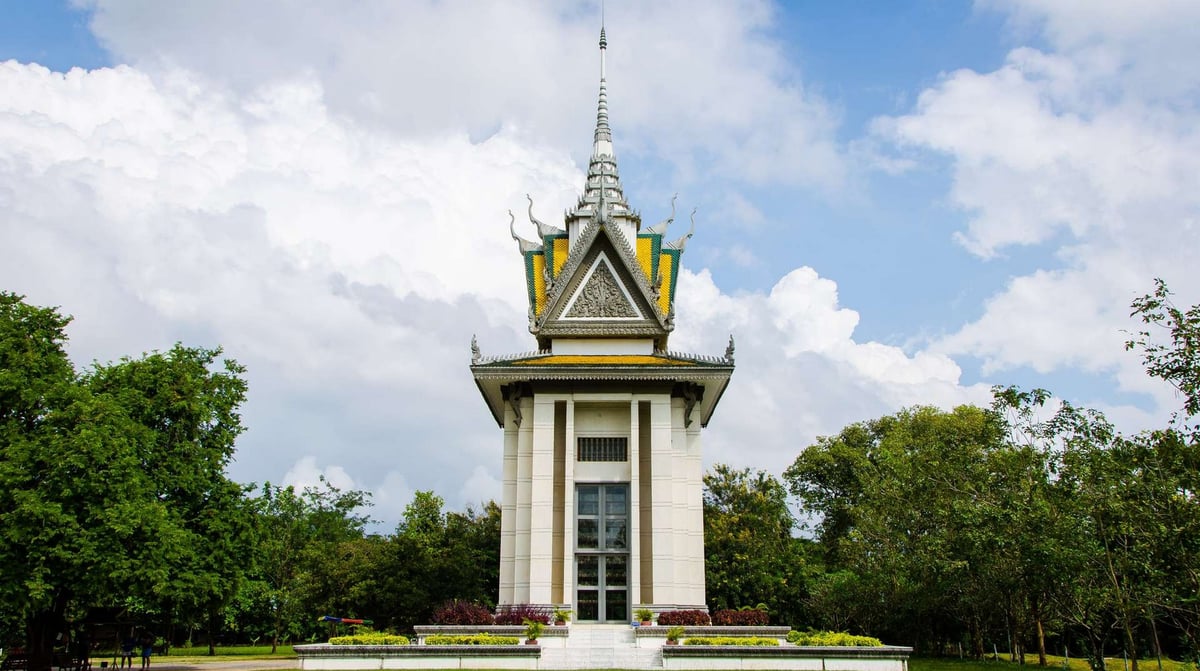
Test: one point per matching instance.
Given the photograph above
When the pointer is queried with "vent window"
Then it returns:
(603, 449)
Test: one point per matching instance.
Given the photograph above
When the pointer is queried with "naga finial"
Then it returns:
(523, 244)
(729, 350)
(682, 242)
(544, 230)
(661, 227)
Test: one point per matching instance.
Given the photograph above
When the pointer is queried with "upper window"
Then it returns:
(603, 449)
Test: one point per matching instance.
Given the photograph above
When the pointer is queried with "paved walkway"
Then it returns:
(165, 664)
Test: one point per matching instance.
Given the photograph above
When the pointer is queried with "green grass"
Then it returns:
(1052, 664)
(199, 654)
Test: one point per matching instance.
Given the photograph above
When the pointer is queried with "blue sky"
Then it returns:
(898, 202)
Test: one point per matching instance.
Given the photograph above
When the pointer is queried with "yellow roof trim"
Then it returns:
(602, 360)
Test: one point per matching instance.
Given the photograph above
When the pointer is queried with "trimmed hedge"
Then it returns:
(683, 618)
(836, 638)
(731, 640)
(373, 638)
(518, 613)
(746, 617)
(471, 639)
(463, 613)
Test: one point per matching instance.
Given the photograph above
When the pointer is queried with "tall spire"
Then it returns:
(602, 143)
(603, 199)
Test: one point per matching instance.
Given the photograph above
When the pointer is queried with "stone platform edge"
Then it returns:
(324, 650)
(809, 651)
(658, 631)
(495, 629)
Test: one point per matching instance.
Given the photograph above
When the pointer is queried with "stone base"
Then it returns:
(603, 647)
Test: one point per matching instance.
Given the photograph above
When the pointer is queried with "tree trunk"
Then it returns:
(1041, 639)
(212, 648)
(43, 631)
(976, 639)
(1157, 647)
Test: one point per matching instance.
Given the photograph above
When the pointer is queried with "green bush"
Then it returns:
(471, 639)
(731, 640)
(371, 638)
(838, 638)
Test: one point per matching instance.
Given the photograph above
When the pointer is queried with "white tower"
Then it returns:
(602, 506)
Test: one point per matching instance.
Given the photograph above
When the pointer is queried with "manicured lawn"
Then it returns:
(1052, 664)
(230, 653)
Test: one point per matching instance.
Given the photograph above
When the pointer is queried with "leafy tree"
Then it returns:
(296, 530)
(751, 556)
(1176, 361)
(917, 512)
(111, 483)
(190, 412)
(436, 556)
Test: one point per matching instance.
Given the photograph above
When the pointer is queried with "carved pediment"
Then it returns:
(602, 292)
(601, 296)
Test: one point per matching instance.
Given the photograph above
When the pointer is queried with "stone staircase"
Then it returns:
(601, 646)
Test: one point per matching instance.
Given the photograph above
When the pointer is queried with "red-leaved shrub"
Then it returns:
(519, 612)
(683, 618)
(750, 617)
(462, 612)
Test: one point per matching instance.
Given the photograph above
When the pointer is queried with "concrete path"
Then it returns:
(165, 664)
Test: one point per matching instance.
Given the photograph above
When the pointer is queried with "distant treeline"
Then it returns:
(1028, 526)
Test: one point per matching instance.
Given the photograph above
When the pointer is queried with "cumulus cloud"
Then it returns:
(1087, 148)
(322, 191)
(348, 265)
(800, 371)
(437, 67)
(341, 265)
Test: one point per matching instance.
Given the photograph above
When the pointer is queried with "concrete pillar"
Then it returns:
(541, 513)
(662, 494)
(508, 509)
(634, 531)
(569, 508)
(524, 503)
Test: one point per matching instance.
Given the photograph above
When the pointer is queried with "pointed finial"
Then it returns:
(602, 140)
(522, 244)
(682, 242)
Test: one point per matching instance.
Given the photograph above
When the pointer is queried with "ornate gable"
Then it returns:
(601, 296)
(601, 291)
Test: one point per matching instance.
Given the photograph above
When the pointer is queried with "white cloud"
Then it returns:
(1088, 149)
(800, 372)
(322, 191)
(305, 473)
(428, 68)
(348, 266)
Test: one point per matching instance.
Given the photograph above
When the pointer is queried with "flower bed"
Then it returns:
(745, 617)
(369, 639)
(832, 638)
(683, 618)
(471, 639)
(751, 641)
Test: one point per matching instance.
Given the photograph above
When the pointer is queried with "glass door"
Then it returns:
(602, 553)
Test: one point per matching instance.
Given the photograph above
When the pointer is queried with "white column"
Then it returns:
(679, 504)
(569, 508)
(633, 533)
(508, 508)
(662, 513)
(524, 502)
(695, 516)
(541, 520)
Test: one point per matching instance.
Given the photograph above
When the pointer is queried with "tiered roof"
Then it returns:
(602, 277)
